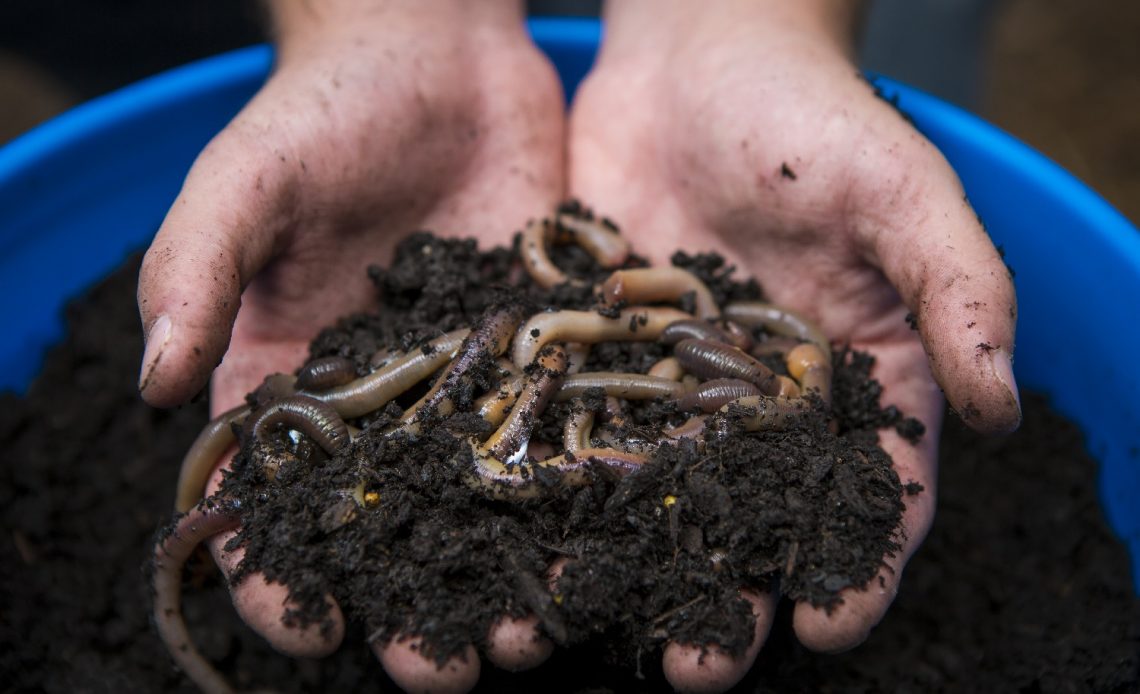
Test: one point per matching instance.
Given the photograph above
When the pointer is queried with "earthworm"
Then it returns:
(668, 368)
(648, 285)
(691, 428)
(710, 396)
(373, 391)
(637, 324)
(778, 320)
(603, 244)
(709, 359)
(318, 420)
(326, 372)
(766, 413)
(493, 406)
(534, 256)
(203, 455)
(695, 329)
(808, 364)
(775, 344)
(577, 429)
(170, 554)
(507, 481)
(788, 388)
(622, 385)
(507, 367)
(738, 335)
(491, 335)
(510, 440)
(274, 386)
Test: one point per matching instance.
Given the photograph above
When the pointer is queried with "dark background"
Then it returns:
(1063, 75)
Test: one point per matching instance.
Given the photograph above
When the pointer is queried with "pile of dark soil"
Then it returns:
(1019, 586)
(657, 555)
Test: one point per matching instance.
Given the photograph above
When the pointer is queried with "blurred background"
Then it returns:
(1062, 75)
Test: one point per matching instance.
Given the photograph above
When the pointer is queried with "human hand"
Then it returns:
(380, 118)
(745, 128)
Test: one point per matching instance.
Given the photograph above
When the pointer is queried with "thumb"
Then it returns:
(235, 204)
(960, 292)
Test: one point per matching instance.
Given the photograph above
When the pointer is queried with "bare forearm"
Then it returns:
(662, 25)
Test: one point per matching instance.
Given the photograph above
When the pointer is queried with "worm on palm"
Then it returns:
(170, 555)
(604, 244)
(709, 359)
(203, 455)
(691, 428)
(491, 336)
(766, 413)
(326, 372)
(632, 324)
(710, 396)
(375, 390)
(620, 385)
(697, 330)
(649, 285)
(317, 420)
(668, 368)
(780, 321)
(809, 365)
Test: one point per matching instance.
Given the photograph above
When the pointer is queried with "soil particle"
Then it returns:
(90, 473)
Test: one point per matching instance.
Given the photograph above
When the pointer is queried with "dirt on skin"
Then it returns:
(1019, 586)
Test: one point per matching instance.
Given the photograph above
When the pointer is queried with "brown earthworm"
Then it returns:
(766, 413)
(170, 554)
(788, 388)
(709, 359)
(775, 344)
(509, 442)
(491, 336)
(808, 364)
(493, 406)
(372, 392)
(668, 368)
(534, 256)
(274, 386)
(648, 285)
(577, 429)
(506, 481)
(318, 420)
(326, 372)
(710, 396)
(636, 324)
(621, 385)
(695, 329)
(778, 320)
(204, 454)
(603, 244)
(691, 428)
(738, 335)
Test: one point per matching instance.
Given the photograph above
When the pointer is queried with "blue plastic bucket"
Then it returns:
(80, 192)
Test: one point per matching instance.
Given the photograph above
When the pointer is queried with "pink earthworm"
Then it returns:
(709, 359)
(632, 324)
(648, 285)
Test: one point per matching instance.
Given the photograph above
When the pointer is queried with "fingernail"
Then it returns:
(155, 344)
(1002, 365)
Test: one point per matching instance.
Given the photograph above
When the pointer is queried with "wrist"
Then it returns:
(302, 28)
(664, 27)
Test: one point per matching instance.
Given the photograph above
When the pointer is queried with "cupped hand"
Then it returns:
(745, 128)
(379, 119)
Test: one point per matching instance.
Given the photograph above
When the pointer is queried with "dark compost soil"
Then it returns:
(1020, 585)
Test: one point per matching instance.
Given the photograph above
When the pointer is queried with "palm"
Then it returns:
(780, 158)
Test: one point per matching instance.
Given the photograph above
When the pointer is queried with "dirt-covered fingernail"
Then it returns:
(1002, 365)
(156, 342)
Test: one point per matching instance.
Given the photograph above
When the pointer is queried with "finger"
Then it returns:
(934, 250)
(263, 605)
(413, 672)
(694, 669)
(907, 384)
(234, 205)
(517, 644)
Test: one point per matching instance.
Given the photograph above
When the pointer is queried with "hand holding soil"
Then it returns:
(376, 120)
(750, 132)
